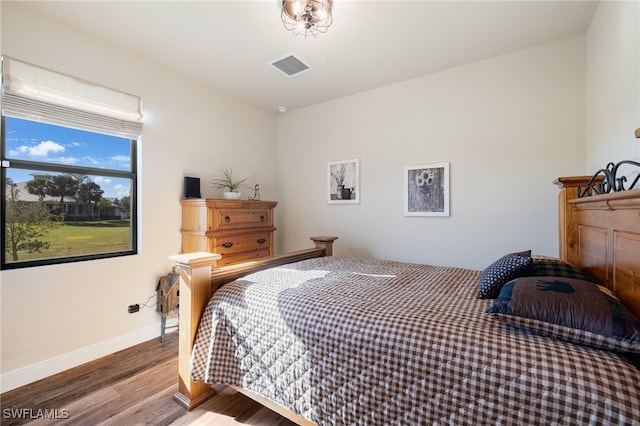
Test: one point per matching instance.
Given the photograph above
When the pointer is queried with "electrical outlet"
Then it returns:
(133, 308)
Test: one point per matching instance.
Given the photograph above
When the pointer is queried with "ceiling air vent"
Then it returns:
(290, 65)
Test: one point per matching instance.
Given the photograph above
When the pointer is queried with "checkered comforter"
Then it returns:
(363, 341)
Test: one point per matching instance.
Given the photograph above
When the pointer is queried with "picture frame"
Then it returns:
(426, 190)
(343, 181)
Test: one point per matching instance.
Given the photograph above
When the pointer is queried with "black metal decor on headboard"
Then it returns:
(610, 182)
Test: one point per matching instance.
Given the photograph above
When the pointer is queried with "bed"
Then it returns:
(334, 340)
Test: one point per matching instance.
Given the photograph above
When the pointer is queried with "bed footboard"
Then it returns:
(198, 280)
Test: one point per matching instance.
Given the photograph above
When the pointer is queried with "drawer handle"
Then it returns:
(227, 245)
(262, 218)
(261, 241)
(227, 219)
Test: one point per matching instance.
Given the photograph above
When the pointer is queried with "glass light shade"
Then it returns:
(307, 17)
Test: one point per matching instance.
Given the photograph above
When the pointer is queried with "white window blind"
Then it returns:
(38, 94)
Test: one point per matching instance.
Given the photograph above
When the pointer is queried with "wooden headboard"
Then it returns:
(601, 235)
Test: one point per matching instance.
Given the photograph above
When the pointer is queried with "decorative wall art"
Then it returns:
(344, 181)
(426, 190)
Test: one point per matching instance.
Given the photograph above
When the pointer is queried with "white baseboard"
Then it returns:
(40, 370)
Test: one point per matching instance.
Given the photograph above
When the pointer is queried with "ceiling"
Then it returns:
(230, 44)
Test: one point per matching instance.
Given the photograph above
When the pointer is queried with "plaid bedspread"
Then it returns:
(373, 342)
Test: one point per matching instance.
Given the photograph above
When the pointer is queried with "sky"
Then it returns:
(40, 142)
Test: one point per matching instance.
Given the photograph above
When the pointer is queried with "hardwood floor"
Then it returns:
(131, 387)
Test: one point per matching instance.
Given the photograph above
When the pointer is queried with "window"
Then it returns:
(68, 171)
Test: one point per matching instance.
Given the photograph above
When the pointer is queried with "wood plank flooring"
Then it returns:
(131, 387)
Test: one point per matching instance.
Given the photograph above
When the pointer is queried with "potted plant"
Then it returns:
(229, 184)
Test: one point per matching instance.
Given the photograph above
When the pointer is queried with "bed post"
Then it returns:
(195, 292)
(325, 243)
(566, 215)
(197, 282)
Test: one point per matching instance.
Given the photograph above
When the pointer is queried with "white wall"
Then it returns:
(613, 84)
(56, 317)
(507, 125)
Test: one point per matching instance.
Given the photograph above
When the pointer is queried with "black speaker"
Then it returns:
(191, 187)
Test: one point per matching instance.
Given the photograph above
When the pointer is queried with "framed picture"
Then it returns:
(426, 190)
(344, 181)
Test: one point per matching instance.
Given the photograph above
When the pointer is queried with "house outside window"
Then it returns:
(69, 175)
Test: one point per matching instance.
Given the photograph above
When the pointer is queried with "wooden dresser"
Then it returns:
(239, 230)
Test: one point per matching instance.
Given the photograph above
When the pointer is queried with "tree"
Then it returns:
(25, 225)
(79, 179)
(62, 186)
(125, 202)
(89, 192)
(105, 205)
(37, 187)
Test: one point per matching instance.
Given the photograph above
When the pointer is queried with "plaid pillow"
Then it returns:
(502, 271)
(569, 309)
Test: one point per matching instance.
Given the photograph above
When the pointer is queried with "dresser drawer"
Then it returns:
(242, 257)
(227, 219)
(240, 243)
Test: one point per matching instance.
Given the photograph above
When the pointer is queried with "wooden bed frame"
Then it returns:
(600, 234)
(197, 283)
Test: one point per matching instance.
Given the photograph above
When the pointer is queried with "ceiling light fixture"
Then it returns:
(307, 17)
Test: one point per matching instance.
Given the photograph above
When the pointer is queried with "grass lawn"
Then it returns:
(79, 238)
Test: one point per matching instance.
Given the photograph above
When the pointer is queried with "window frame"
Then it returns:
(9, 163)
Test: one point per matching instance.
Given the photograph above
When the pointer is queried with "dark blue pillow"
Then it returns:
(569, 309)
(500, 272)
